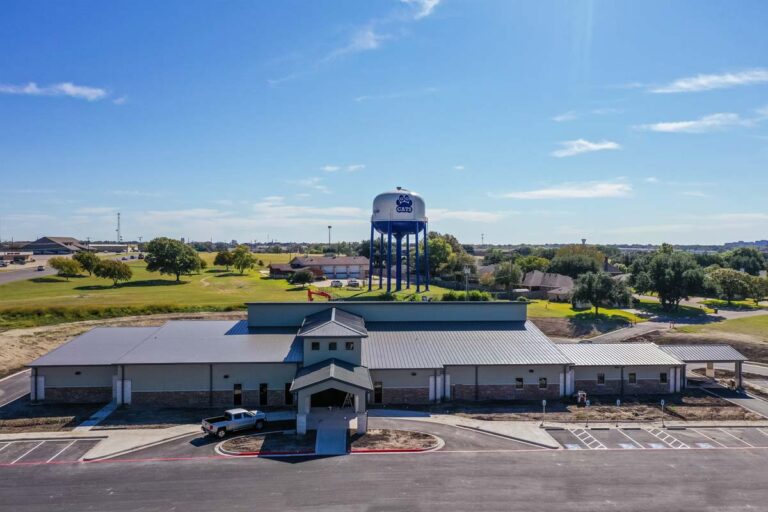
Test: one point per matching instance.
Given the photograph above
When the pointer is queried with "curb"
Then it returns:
(69, 438)
(14, 375)
(227, 453)
(513, 438)
(440, 445)
(136, 448)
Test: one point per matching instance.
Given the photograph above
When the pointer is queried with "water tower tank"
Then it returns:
(400, 210)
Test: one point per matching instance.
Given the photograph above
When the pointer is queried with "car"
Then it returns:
(353, 283)
(336, 284)
(40, 268)
(3, 264)
(132, 257)
(233, 420)
(125, 258)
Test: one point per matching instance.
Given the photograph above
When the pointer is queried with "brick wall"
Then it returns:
(171, 398)
(509, 392)
(611, 387)
(405, 395)
(78, 395)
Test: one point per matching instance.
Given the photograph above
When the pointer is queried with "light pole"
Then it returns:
(543, 411)
(466, 282)
(662, 412)
(329, 239)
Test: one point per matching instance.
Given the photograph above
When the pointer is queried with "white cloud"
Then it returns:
(651, 179)
(330, 168)
(565, 116)
(708, 82)
(137, 193)
(710, 123)
(586, 190)
(365, 39)
(396, 95)
(458, 167)
(96, 210)
(694, 193)
(122, 100)
(348, 168)
(423, 7)
(355, 167)
(314, 183)
(61, 89)
(579, 146)
(438, 214)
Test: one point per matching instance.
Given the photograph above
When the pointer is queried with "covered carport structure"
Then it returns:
(709, 355)
(332, 374)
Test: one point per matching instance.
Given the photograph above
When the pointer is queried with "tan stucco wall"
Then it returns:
(315, 356)
(402, 378)
(64, 376)
(251, 375)
(494, 375)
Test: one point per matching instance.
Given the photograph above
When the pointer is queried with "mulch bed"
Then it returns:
(392, 440)
(24, 416)
(272, 443)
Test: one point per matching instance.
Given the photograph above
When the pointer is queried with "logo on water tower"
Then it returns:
(404, 204)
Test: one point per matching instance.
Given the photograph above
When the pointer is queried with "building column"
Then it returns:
(737, 368)
(710, 372)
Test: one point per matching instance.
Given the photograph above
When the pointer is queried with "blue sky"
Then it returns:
(529, 122)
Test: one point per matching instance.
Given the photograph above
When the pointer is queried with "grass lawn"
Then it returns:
(654, 307)
(754, 326)
(51, 299)
(544, 309)
(746, 305)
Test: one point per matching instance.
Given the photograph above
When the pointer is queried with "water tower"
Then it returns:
(398, 214)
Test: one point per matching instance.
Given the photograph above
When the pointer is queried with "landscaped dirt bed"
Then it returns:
(386, 439)
(271, 443)
(166, 417)
(23, 416)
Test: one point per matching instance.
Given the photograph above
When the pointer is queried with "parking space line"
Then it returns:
(665, 437)
(27, 452)
(736, 438)
(5, 445)
(762, 431)
(588, 439)
(708, 437)
(62, 450)
(628, 437)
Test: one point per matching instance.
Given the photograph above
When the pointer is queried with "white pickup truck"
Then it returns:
(233, 420)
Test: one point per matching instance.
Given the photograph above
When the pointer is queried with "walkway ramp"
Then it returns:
(331, 441)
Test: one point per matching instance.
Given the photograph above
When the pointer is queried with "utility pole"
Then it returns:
(329, 239)
(482, 239)
(119, 234)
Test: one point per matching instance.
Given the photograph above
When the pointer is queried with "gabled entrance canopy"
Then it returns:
(334, 323)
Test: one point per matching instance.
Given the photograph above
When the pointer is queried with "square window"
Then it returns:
(350, 345)
(543, 383)
(315, 345)
(663, 378)
(632, 378)
(519, 383)
(600, 379)
(332, 345)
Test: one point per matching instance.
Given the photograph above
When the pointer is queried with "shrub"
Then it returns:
(450, 296)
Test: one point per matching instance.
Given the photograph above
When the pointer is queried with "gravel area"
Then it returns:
(272, 442)
(385, 439)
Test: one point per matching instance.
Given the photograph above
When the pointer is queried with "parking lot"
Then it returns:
(37, 452)
(651, 438)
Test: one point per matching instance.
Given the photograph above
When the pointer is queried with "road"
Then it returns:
(14, 387)
(681, 480)
(25, 273)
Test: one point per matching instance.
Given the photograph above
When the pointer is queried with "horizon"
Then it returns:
(529, 124)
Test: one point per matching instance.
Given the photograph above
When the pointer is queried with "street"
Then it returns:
(14, 387)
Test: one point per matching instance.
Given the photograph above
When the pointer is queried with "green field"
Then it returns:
(654, 307)
(755, 326)
(544, 309)
(745, 305)
(49, 300)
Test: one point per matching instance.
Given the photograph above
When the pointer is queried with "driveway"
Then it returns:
(14, 387)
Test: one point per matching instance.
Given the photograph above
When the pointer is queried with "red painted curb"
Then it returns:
(250, 454)
(391, 450)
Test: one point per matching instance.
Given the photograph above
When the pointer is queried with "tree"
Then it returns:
(528, 263)
(202, 265)
(172, 257)
(730, 283)
(223, 259)
(673, 275)
(439, 252)
(112, 269)
(487, 280)
(242, 259)
(573, 265)
(599, 289)
(87, 259)
(493, 256)
(758, 289)
(507, 274)
(302, 277)
(65, 267)
(748, 259)
(590, 251)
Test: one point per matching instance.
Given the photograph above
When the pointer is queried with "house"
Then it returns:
(16, 257)
(55, 245)
(546, 285)
(610, 268)
(307, 355)
(332, 267)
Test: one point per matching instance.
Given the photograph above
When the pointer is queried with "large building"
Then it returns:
(352, 353)
(55, 245)
(332, 267)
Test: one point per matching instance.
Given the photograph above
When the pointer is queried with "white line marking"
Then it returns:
(631, 439)
(704, 445)
(6, 445)
(27, 452)
(736, 438)
(628, 446)
(708, 437)
(658, 446)
(762, 432)
(573, 446)
(15, 375)
(61, 451)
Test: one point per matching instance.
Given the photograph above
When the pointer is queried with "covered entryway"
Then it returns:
(708, 355)
(334, 386)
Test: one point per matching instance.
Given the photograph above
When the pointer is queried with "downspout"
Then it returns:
(444, 385)
(210, 385)
(122, 387)
(34, 382)
(434, 379)
(621, 391)
(477, 388)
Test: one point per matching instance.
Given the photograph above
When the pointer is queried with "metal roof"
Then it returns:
(333, 322)
(435, 344)
(217, 341)
(99, 346)
(617, 354)
(703, 353)
(332, 369)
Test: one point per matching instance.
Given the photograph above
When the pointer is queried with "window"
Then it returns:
(543, 383)
(288, 395)
(663, 378)
(263, 394)
(632, 378)
(350, 345)
(600, 379)
(315, 345)
(378, 392)
(519, 383)
(332, 345)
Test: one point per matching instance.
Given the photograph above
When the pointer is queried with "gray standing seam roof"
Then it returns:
(99, 346)
(333, 322)
(617, 354)
(704, 353)
(400, 345)
(332, 369)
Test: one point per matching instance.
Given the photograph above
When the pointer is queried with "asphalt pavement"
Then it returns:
(14, 387)
(24, 273)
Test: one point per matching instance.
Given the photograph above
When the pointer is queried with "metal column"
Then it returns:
(370, 262)
(408, 262)
(389, 257)
(399, 260)
(418, 269)
(381, 259)
(426, 254)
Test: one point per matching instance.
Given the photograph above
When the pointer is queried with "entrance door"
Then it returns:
(237, 397)
(288, 394)
(377, 392)
(263, 394)
(329, 398)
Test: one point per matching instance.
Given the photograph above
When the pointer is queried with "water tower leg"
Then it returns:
(389, 258)
(381, 260)
(418, 268)
(408, 262)
(426, 254)
(370, 260)
(399, 260)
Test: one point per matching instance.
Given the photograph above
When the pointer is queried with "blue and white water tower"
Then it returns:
(398, 214)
